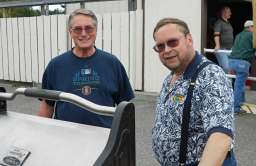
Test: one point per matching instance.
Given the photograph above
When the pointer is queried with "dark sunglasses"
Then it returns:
(79, 29)
(160, 47)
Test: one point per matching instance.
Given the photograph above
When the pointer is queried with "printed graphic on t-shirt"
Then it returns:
(87, 80)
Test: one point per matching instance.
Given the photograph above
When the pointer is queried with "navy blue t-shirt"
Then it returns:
(100, 78)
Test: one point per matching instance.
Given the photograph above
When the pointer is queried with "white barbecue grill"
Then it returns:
(50, 142)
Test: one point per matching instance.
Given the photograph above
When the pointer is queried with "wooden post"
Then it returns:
(254, 22)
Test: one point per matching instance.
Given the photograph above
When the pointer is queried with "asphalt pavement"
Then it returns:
(245, 147)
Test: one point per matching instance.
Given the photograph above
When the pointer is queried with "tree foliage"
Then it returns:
(19, 12)
(23, 11)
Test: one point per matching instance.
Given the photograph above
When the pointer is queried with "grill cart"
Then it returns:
(36, 141)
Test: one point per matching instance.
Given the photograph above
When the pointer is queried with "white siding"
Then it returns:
(41, 52)
(15, 43)
(10, 48)
(34, 49)
(101, 7)
(62, 34)
(28, 59)
(22, 49)
(189, 11)
(28, 44)
(1, 54)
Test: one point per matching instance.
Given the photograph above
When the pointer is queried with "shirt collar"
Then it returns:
(226, 21)
(193, 66)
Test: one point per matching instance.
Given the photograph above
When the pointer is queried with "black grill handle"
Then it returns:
(42, 93)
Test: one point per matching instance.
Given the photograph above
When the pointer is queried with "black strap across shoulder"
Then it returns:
(186, 115)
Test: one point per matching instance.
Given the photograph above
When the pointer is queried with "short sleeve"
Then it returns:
(217, 26)
(125, 92)
(217, 101)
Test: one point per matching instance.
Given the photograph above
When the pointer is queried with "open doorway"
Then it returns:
(241, 11)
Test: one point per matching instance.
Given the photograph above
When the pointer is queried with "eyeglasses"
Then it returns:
(173, 42)
(79, 29)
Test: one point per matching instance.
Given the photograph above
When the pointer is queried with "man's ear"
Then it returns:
(69, 30)
(189, 39)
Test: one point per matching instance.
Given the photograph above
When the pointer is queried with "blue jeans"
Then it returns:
(230, 159)
(222, 58)
(241, 69)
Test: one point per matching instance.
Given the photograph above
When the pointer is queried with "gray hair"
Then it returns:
(84, 12)
(182, 26)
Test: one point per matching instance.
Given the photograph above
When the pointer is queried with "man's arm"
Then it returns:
(216, 149)
(45, 110)
(217, 40)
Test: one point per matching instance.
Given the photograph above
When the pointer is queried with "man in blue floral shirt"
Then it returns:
(211, 125)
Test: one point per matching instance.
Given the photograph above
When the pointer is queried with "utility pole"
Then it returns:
(82, 5)
(45, 9)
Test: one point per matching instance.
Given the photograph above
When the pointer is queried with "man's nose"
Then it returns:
(84, 32)
(167, 48)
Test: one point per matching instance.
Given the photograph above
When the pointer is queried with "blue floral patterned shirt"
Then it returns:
(211, 111)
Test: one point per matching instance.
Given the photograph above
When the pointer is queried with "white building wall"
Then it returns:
(187, 10)
(105, 6)
(101, 7)
(39, 39)
(72, 7)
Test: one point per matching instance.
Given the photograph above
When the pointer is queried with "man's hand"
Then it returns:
(45, 110)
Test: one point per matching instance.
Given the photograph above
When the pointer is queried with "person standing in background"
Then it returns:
(86, 71)
(223, 37)
(240, 61)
